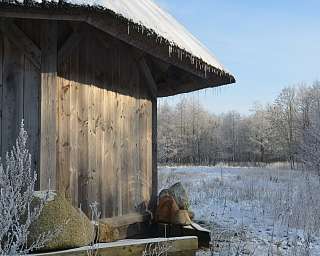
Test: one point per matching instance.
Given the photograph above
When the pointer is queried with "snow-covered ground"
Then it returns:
(253, 211)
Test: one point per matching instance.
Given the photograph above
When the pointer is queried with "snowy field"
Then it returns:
(253, 211)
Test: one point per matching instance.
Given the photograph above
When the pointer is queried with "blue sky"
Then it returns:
(267, 45)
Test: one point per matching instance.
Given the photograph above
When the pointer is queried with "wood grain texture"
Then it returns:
(89, 118)
(12, 112)
(19, 98)
(83, 105)
(49, 105)
(31, 111)
(64, 147)
(74, 128)
(110, 129)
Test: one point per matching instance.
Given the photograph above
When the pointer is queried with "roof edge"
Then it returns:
(130, 32)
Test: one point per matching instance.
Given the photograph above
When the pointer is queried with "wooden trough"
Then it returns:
(175, 246)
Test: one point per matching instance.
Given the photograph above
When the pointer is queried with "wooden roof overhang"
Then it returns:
(170, 69)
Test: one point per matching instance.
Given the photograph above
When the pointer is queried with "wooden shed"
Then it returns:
(85, 78)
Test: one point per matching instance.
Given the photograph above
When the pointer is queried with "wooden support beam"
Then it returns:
(154, 195)
(149, 78)
(75, 38)
(49, 105)
(22, 41)
(72, 42)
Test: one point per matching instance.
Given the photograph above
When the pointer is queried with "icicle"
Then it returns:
(170, 50)
(128, 28)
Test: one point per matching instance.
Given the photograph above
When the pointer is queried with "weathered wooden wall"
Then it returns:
(19, 96)
(87, 109)
(105, 128)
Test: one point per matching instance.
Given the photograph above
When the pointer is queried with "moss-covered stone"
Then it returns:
(77, 229)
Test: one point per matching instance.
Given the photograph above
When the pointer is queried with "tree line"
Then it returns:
(286, 129)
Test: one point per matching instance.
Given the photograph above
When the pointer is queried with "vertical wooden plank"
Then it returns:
(98, 81)
(91, 145)
(124, 154)
(74, 127)
(138, 187)
(83, 102)
(63, 166)
(99, 143)
(106, 163)
(32, 80)
(49, 134)
(93, 121)
(133, 138)
(117, 133)
(110, 169)
(104, 200)
(108, 176)
(111, 190)
(117, 152)
(130, 131)
(12, 112)
(125, 80)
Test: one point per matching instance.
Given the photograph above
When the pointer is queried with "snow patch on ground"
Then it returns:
(253, 211)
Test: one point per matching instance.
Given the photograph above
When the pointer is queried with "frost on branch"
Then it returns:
(17, 207)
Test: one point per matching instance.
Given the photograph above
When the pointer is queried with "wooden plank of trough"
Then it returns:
(129, 225)
(127, 219)
(135, 247)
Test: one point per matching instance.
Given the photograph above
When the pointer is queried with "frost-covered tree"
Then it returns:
(18, 209)
(189, 134)
(310, 148)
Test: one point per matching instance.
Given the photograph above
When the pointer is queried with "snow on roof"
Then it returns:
(149, 15)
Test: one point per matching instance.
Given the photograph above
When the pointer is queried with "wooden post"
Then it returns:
(154, 155)
(153, 90)
(49, 130)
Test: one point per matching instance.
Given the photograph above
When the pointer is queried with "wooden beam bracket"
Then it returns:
(149, 77)
(22, 41)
